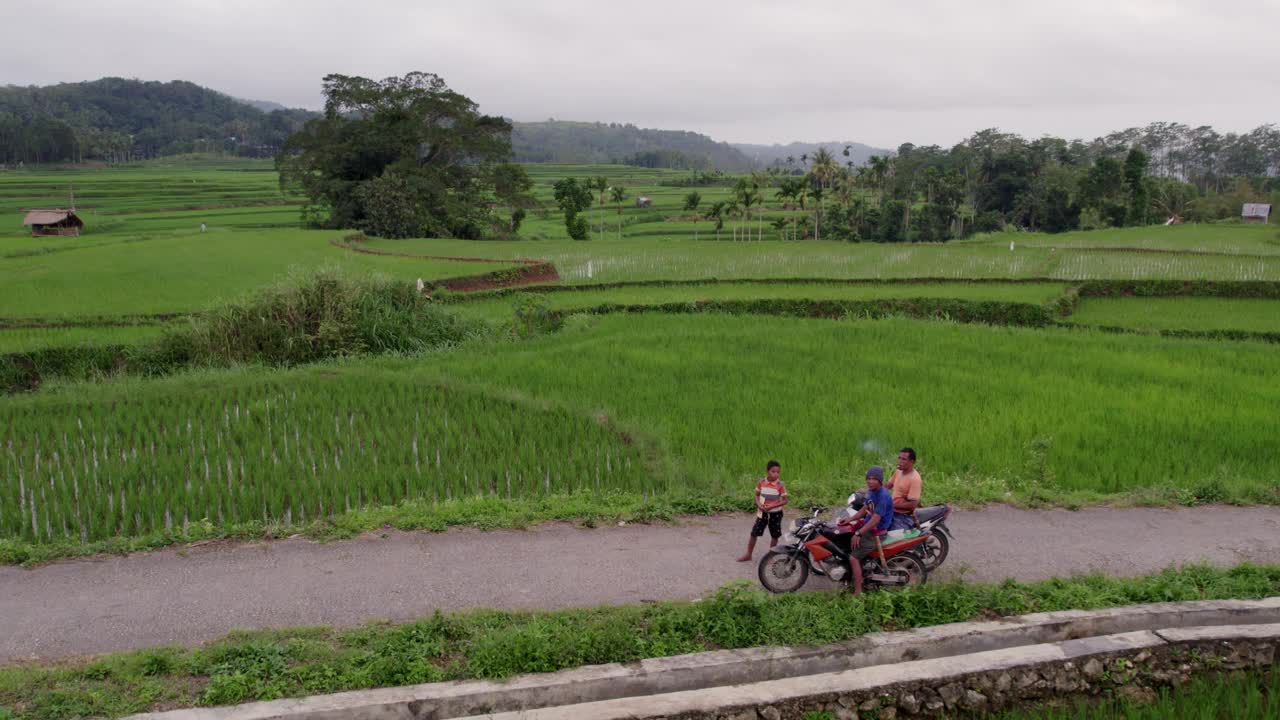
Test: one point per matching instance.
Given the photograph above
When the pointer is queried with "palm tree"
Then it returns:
(731, 208)
(760, 180)
(816, 193)
(691, 201)
(717, 213)
(824, 171)
(879, 171)
(618, 193)
(803, 192)
(600, 184)
(780, 224)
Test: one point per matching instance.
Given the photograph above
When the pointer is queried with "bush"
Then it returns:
(323, 315)
(534, 316)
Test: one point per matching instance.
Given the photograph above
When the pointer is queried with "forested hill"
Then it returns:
(593, 142)
(798, 153)
(120, 119)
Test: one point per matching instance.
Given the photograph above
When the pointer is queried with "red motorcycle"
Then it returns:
(825, 549)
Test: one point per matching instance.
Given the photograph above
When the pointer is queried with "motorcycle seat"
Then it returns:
(926, 514)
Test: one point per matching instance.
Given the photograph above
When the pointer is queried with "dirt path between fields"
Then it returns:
(183, 596)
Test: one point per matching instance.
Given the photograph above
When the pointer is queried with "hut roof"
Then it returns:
(50, 216)
(1255, 210)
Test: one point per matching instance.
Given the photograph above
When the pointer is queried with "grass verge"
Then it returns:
(263, 665)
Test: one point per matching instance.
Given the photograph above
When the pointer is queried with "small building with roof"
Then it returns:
(1259, 213)
(53, 221)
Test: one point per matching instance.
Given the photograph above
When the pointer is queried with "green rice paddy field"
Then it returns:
(653, 406)
(642, 407)
(586, 297)
(1200, 314)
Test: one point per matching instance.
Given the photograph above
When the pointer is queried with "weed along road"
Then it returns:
(188, 595)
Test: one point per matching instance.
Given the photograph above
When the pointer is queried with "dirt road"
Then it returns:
(182, 596)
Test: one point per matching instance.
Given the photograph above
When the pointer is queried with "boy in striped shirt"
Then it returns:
(771, 495)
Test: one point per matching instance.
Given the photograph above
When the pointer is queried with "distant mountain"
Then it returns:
(119, 119)
(563, 141)
(768, 155)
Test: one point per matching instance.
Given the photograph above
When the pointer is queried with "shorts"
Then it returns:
(866, 546)
(773, 520)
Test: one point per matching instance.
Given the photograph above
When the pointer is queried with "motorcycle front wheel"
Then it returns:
(783, 572)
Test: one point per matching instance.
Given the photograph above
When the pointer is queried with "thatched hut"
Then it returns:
(53, 221)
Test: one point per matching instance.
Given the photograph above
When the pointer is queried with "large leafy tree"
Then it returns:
(405, 143)
(574, 198)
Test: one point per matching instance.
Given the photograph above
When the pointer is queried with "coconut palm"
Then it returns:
(759, 182)
(600, 184)
(618, 194)
(731, 209)
(879, 171)
(691, 203)
(780, 224)
(717, 213)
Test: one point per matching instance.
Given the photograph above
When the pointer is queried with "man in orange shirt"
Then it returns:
(907, 487)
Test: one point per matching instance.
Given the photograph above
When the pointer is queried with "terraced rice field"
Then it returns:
(586, 297)
(1181, 313)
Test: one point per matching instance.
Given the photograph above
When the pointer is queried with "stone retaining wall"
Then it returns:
(1126, 674)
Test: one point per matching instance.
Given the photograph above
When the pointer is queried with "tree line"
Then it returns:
(993, 180)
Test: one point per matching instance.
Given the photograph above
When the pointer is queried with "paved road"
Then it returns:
(189, 595)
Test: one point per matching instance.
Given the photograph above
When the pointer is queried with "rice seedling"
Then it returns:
(1182, 313)
(263, 450)
(500, 308)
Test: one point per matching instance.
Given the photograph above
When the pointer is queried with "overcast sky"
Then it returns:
(881, 72)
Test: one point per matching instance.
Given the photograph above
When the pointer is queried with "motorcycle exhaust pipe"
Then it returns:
(887, 579)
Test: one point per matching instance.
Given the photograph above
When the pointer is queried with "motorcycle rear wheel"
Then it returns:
(782, 572)
(935, 550)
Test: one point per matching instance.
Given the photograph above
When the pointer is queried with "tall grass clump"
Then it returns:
(321, 315)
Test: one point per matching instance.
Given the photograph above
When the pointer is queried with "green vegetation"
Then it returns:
(21, 340)
(187, 273)
(115, 120)
(1205, 238)
(142, 459)
(497, 644)
(1121, 413)
(1199, 314)
(576, 411)
(497, 306)
(1123, 418)
(402, 157)
(1235, 696)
